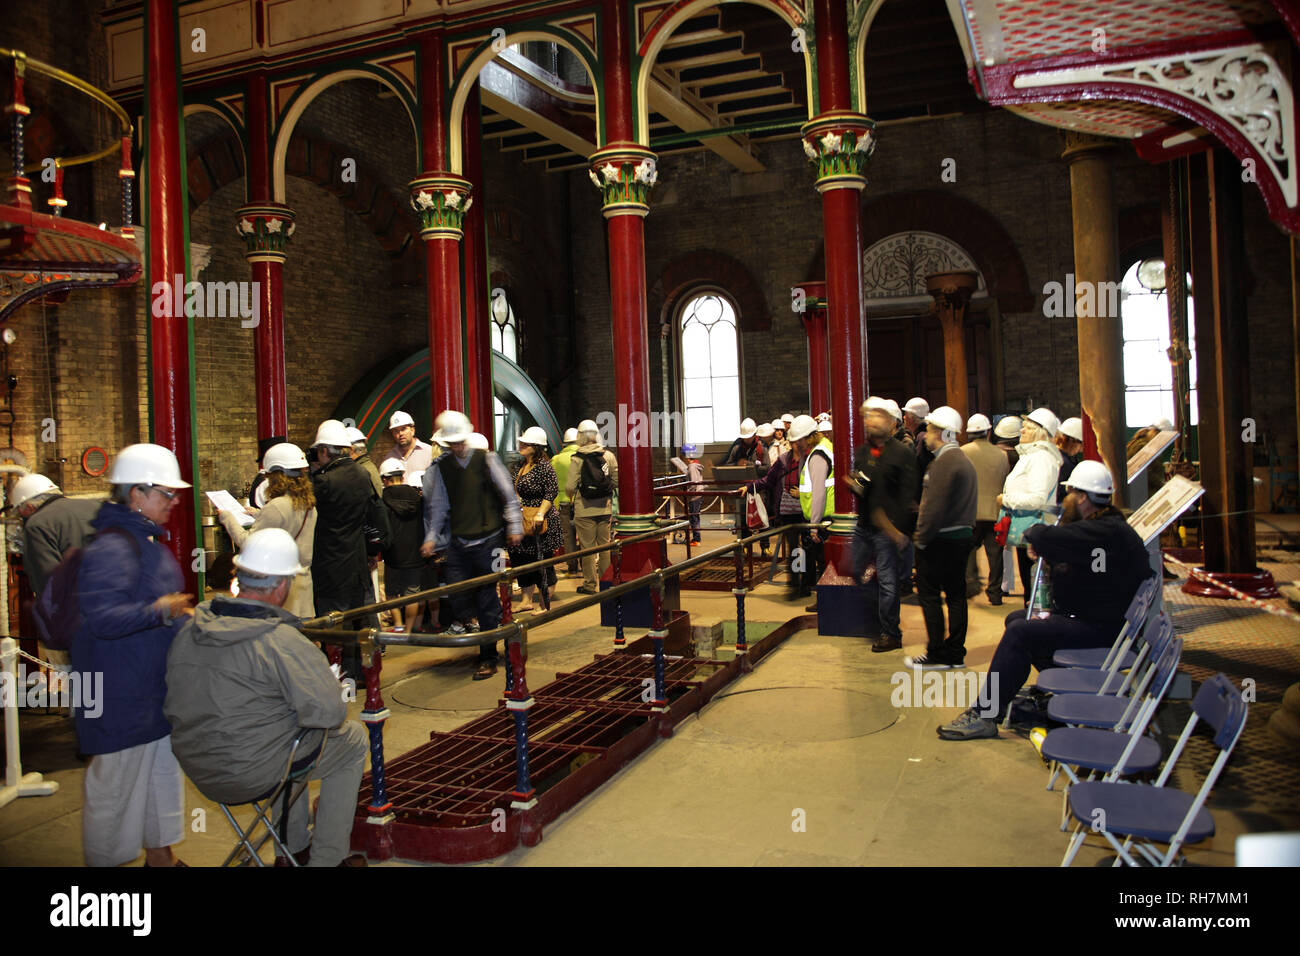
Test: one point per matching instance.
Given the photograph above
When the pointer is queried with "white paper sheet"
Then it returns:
(223, 500)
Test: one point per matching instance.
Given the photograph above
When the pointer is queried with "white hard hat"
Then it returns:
(356, 435)
(399, 419)
(917, 406)
(392, 466)
(28, 487)
(332, 432)
(787, 418)
(1046, 418)
(765, 430)
(533, 435)
(977, 423)
(802, 427)
(415, 479)
(778, 424)
(147, 465)
(456, 427)
(894, 409)
(1092, 477)
(587, 426)
(823, 416)
(824, 425)
(477, 441)
(878, 404)
(1007, 427)
(570, 435)
(285, 456)
(1072, 428)
(747, 428)
(1164, 425)
(271, 552)
(946, 418)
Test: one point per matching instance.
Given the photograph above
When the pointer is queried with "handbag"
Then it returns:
(531, 520)
(1021, 521)
(755, 511)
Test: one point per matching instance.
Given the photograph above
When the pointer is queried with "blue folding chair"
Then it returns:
(1099, 658)
(1106, 711)
(1147, 815)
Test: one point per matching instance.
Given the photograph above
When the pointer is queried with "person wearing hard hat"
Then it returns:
(827, 430)
(243, 683)
(52, 523)
(885, 483)
(403, 563)
(694, 476)
(257, 493)
(1069, 442)
(591, 485)
(1097, 564)
(413, 453)
(537, 487)
(563, 503)
(779, 444)
(949, 494)
(816, 481)
(351, 530)
(746, 448)
(765, 433)
(291, 505)
(914, 415)
(1006, 435)
(991, 469)
(471, 513)
(361, 455)
(1031, 485)
(129, 592)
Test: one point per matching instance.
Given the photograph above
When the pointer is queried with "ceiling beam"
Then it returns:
(515, 98)
(690, 114)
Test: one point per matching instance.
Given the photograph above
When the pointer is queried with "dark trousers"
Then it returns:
(941, 567)
(1026, 567)
(465, 562)
(813, 562)
(329, 598)
(987, 539)
(1033, 642)
(693, 508)
(570, 534)
(873, 546)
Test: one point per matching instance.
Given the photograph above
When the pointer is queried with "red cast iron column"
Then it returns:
(171, 377)
(478, 334)
(813, 315)
(840, 141)
(624, 172)
(441, 200)
(265, 227)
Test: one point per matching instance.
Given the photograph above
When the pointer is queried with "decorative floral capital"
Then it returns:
(840, 145)
(265, 229)
(624, 176)
(441, 202)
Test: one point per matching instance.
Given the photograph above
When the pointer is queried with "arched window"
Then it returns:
(505, 339)
(710, 369)
(1148, 376)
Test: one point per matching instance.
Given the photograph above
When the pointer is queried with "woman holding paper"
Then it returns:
(291, 505)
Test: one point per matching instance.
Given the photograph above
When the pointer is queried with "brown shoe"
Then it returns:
(356, 859)
(485, 670)
(884, 644)
(301, 857)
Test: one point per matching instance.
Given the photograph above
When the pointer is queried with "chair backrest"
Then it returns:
(1161, 675)
(1135, 622)
(1158, 672)
(1141, 603)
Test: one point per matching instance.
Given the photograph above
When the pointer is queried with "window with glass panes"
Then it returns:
(710, 369)
(1148, 376)
(505, 339)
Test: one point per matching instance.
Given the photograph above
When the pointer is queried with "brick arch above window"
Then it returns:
(711, 269)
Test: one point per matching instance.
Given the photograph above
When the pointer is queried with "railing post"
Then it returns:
(620, 640)
(373, 716)
(126, 173)
(519, 700)
(507, 617)
(19, 187)
(657, 636)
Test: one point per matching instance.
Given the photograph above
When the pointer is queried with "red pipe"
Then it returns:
(832, 26)
(844, 313)
(171, 376)
(259, 150)
(478, 332)
(814, 320)
(433, 128)
(442, 266)
(618, 73)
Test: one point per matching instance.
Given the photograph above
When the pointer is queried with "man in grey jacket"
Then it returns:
(943, 539)
(242, 683)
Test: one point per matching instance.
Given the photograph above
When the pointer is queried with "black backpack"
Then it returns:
(594, 481)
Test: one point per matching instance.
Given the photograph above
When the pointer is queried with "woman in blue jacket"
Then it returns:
(131, 607)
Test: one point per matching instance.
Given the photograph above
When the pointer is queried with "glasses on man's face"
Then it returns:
(165, 492)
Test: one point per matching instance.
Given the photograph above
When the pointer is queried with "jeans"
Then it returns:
(1025, 642)
(906, 562)
(941, 567)
(472, 561)
(873, 546)
(985, 537)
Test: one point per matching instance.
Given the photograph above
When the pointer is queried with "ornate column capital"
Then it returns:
(840, 143)
(812, 296)
(624, 173)
(952, 290)
(441, 200)
(265, 228)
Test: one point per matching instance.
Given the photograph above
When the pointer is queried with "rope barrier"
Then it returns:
(1240, 595)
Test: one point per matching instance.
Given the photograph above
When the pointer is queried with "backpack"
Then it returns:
(594, 481)
(57, 612)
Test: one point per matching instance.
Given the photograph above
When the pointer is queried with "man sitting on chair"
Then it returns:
(1097, 563)
(243, 683)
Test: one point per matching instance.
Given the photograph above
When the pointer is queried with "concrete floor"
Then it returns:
(804, 761)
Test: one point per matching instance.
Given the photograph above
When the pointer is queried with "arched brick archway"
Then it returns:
(718, 270)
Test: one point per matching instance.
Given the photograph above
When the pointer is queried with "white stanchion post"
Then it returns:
(17, 784)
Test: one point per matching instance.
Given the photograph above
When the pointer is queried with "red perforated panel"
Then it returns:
(1100, 117)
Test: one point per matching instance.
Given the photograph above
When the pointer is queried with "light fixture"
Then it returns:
(10, 336)
(1151, 273)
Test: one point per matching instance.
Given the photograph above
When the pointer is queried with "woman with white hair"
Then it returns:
(1031, 485)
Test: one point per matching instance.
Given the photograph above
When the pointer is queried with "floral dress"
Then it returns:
(534, 486)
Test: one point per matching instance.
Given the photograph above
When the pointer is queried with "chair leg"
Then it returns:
(1072, 848)
(1054, 772)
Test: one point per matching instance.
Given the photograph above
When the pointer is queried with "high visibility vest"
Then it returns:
(805, 481)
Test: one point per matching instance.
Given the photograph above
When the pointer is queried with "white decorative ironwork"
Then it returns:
(1244, 85)
(896, 266)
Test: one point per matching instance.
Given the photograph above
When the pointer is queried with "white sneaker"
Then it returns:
(922, 662)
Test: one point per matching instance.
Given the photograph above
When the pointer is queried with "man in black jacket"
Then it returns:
(1097, 564)
(884, 480)
(351, 525)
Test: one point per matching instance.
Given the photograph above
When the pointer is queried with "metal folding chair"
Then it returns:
(291, 788)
